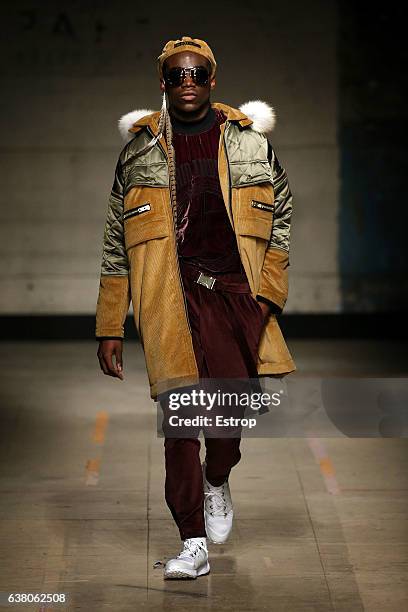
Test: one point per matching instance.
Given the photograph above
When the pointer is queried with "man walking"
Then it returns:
(197, 236)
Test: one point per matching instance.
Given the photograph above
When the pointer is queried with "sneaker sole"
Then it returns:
(186, 575)
(218, 541)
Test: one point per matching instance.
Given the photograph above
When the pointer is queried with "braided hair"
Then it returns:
(172, 166)
(165, 126)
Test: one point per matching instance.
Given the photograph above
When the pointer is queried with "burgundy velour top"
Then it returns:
(205, 237)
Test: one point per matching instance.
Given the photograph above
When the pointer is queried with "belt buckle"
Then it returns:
(207, 281)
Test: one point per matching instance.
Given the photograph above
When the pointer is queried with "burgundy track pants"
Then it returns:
(226, 326)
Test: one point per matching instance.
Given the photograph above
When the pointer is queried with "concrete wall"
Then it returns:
(70, 69)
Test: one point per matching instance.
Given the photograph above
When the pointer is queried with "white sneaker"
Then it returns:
(218, 511)
(191, 562)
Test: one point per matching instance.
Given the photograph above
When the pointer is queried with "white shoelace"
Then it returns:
(217, 505)
(191, 549)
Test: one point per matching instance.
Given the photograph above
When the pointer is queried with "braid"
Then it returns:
(172, 167)
(165, 125)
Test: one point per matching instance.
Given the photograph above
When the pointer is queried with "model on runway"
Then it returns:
(197, 236)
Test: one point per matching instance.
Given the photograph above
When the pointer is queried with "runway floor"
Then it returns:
(320, 523)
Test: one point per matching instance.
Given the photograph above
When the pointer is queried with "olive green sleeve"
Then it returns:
(274, 276)
(114, 287)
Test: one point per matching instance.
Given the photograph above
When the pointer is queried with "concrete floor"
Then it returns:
(83, 513)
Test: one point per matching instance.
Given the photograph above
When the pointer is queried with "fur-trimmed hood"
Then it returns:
(257, 113)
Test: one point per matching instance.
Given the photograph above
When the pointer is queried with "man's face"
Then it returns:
(188, 97)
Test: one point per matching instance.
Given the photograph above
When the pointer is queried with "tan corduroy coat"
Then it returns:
(139, 260)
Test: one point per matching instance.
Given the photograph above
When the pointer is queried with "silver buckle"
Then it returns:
(207, 281)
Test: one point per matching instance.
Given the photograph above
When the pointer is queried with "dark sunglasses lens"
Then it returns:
(174, 77)
(201, 76)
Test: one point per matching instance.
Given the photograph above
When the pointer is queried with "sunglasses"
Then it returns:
(175, 76)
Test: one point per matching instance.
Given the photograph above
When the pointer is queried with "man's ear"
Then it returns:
(162, 85)
(212, 83)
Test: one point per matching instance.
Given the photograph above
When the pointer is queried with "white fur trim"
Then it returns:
(126, 122)
(262, 115)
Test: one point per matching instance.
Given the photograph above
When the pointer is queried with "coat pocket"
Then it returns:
(255, 211)
(143, 222)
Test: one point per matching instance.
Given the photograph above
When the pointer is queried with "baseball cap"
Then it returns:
(186, 43)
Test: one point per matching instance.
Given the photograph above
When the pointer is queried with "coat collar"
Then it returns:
(256, 113)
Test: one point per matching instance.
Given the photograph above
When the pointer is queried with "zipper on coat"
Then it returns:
(175, 243)
(262, 205)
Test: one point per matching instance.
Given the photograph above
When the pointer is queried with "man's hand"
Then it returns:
(106, 349)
